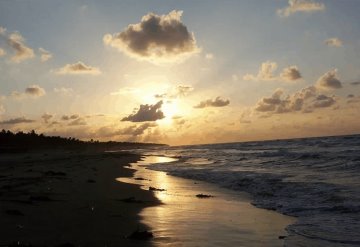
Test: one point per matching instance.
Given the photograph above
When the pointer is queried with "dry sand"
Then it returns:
(55, 198)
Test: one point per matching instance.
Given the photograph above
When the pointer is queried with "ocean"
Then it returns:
(317, 180)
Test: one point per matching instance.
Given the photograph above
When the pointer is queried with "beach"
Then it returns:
(64, 198)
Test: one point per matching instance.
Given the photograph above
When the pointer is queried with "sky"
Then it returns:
(180, 72)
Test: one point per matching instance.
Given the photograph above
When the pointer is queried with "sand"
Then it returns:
(88, 198)
(56, 198)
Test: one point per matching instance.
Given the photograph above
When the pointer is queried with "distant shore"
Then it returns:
(53, 198)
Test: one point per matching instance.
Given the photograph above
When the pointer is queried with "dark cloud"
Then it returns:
(17, 121)
(35, 91)
(78, 68)
(304, 100)
(17, 43)
(46, 117)
(329, 81)
(217, 102)
(146, 113)
(162, 37)
(300, 6)
(69, 117)
(136, 130)
(323, 101)
(291, 73)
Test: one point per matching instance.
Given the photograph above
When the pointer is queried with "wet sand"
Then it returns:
(73, 199)
(226, 219)
(57, 198)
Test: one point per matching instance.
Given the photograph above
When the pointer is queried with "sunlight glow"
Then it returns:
(170, 109)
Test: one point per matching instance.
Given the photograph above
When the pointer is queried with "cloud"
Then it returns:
(17, 43)
(329, 81)
(78, 68)
(2, 52)
(266, 72)
(45, 55)
(67, 117)
(300, 6)
(64, 90)
(217, 102)
(17, 121)
(46, 117)
(146, 113)
(176, 92)
(35, 91)
(135, 130)
(355, 83)
(291, 73)
(323, 101)
(161, 38)
(335, 42)
(304, 100)
(77, 122)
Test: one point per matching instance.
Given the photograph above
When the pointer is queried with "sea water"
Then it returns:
(316, 180)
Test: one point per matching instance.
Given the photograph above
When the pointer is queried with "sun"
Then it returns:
(170, 109)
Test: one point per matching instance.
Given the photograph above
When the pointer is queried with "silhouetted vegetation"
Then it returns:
(20, 142)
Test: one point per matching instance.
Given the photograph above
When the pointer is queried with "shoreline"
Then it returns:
(225, 218)
(60, 197)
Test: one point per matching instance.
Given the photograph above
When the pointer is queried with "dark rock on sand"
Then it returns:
(156, 189)
(131, 200)
(203, 196)
(141, 235)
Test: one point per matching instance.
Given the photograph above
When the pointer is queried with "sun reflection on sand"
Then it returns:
(228, 219)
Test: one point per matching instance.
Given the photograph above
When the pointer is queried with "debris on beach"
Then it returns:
(156, 189)
(203, 196)
(141, 235)
(131, 200)
(282, 237)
